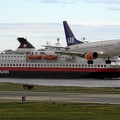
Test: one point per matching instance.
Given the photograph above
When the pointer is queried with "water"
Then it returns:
(65, 82)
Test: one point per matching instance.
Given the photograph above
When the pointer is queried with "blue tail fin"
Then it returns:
(70, 38)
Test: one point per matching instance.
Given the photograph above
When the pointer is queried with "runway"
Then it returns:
(16, 96)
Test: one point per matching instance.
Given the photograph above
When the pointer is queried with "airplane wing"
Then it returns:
(87, 55)
(71, 53)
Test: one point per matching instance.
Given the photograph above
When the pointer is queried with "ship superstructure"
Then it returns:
(27, 62)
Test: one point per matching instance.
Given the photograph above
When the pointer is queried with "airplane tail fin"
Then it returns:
(24, 43)
(70, 38)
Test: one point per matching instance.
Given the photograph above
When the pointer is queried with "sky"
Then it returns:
(41, 21)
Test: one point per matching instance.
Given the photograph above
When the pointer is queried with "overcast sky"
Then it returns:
(41, 20)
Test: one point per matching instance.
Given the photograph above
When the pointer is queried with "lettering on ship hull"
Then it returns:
(4, 72)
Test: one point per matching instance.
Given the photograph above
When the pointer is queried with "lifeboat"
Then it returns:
(50, 57)
(32, 56)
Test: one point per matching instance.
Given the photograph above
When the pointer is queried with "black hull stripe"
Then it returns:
(58, 75)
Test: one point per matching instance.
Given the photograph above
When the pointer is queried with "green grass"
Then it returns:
(37, 88)
(58, 111)
(10, 86)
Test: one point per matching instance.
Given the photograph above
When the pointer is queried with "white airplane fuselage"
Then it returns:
(108, 48)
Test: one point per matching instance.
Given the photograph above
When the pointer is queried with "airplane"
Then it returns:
(90, 50)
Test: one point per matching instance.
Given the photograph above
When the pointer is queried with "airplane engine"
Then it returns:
(91, 55)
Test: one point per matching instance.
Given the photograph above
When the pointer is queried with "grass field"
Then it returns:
(58, 111)
(19, 87)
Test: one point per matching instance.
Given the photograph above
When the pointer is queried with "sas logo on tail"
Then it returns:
(71, 40)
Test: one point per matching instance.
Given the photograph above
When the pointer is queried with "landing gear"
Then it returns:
(108, 61)
(90, 61)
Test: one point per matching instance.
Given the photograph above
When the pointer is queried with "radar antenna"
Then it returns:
(58, 43)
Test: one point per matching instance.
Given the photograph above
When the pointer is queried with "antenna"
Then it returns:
(58, 43)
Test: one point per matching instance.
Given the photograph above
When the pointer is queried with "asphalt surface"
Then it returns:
(17, 96)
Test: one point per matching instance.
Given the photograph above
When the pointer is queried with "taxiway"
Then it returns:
(16, 96)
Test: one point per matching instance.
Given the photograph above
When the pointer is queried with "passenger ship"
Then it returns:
(27, 62)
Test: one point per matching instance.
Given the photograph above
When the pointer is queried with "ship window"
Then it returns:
(4, 64)
(98, 65)
(101, 65)
(1, 64)
(82, 65)
(104, 65)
